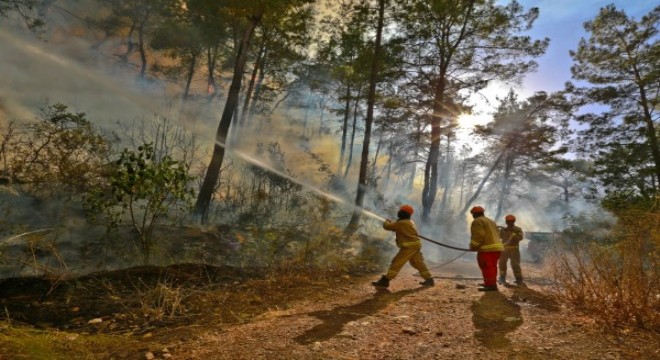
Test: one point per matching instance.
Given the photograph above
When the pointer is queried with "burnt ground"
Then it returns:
(203, 312)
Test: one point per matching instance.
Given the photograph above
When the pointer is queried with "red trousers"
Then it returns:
(488, 265)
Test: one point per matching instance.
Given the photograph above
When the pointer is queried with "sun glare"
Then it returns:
(468, 121)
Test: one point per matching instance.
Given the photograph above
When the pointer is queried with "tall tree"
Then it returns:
(469, 42)
(371, 100)
(345, 54)
(180, 37)
(139, 16)
(524, 135)
(249, 15)
(620, 62)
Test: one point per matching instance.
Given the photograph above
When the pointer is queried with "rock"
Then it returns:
(409, 330)
(95, 321)
(316, 346)
(149, 355)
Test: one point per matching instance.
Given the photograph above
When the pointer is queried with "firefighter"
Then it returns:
(511, 236)
(410, 245)
(486, 241)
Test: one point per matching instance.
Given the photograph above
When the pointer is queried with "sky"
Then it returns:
(561, 21)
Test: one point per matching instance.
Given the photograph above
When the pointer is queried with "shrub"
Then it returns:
(144, 190)
(616, 278)
(60, 153)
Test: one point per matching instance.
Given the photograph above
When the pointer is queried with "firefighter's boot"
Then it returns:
(502, 280)
(383, 282)
(520, 282)
(428, 282)
(488, 288)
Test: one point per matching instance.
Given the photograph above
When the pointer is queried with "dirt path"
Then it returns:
(449, 321)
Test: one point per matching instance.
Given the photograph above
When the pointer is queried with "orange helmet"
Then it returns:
(477, 209)
(407, 208)
(510, 218)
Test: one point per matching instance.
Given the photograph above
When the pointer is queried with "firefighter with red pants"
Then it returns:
(410, 246)
(485, 240)
(511, 236)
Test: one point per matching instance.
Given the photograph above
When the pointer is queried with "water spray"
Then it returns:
(327, 195)
(6, 241)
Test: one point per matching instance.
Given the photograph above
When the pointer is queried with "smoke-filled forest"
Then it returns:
(176, 175)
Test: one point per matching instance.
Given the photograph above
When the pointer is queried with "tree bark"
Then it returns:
(191, 72)
(213, 172)
(504, 192)
(251, 85)
(431, 170)
(211, 61)
(344, 129)
(141, 46)
(650, 129)
(350, 148)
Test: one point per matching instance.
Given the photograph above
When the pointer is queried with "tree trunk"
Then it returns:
(213, 172)
(257, 87)
(650, 131)
(373, 164)
(431, 170)
(371, 100)
(483, 182)
(141, 46)
(130, 45)
(251, 85)
(504, 192)
(191, 72)
(344, 128)
(211, 58)
(445, 183)
(350, 148)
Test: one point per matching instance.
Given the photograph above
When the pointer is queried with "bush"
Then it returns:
(142, 188)
(60, 153)
(616, 278)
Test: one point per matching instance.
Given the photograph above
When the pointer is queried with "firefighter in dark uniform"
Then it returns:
(511, 236)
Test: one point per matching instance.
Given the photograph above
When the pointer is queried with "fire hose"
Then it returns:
(444, 245)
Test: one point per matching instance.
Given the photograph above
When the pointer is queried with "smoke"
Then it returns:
(73, 69)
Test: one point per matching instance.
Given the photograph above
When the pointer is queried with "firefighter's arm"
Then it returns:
(517, 235)
(389, 225)
(478, 233)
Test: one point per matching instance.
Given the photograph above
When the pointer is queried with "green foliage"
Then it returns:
(145, 189)
(25, 9)
(60, 153)
(619, 62)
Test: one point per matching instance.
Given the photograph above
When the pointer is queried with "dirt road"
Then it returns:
(449, 321)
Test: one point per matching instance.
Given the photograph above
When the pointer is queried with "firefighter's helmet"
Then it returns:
(477, 209)
(510, 217)
(407, 208)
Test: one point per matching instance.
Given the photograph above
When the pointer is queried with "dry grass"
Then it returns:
(618, 279)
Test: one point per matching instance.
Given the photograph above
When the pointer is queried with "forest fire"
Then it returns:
(176, 174)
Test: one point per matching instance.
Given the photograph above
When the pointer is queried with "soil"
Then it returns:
(201, 312)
